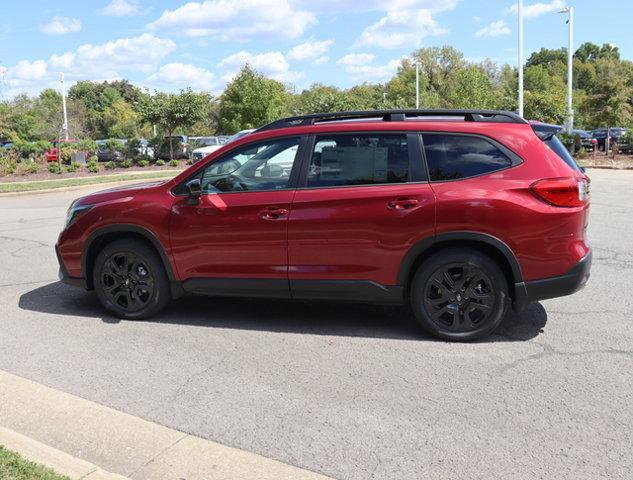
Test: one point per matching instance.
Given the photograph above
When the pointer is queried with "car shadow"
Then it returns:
(278, 315)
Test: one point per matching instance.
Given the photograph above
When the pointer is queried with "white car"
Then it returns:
(211, 145)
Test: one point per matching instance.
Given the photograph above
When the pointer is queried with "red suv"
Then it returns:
(459, 214)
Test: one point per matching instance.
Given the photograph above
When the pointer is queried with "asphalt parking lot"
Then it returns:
(354, 392)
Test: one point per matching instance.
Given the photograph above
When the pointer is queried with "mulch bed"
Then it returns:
(44, 174)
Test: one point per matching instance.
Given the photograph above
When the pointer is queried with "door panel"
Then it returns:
(231, 235)
(357, 233)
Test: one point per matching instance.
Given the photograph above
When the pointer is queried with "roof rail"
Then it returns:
(496, 116)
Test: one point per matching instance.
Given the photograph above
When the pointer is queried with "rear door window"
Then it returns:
(359, 159)
(453, 157)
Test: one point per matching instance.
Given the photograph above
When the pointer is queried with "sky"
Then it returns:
(169, 45)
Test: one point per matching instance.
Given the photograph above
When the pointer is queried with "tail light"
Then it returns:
(563, 192)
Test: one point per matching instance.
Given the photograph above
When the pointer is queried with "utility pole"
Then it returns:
(417, 85)
(570, 66)
(520, 60)
(65, 124)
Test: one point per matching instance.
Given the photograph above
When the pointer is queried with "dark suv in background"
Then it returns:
(458, 214)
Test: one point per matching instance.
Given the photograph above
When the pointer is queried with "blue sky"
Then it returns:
(169, 45)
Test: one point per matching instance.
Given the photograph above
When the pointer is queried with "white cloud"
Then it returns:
(120, 8)
(321, 60)
(273, 64)
(309, 50)
(536, 9)
(61, 26)
(356, 59)
(182, 75)
(494, 30)
(95, 62)
(237, 20)
(356, 6)
(402, 28)
(365, 71)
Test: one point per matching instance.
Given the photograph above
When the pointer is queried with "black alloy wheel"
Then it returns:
(127, 281)
(459, 294)
(130, 280)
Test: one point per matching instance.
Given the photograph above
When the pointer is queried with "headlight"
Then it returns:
(74, 210)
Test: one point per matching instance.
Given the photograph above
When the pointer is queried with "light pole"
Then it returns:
(65, 120)
(520, 59)
(570, 66)
(417, 83)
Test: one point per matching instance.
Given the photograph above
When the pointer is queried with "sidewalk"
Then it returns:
(83, 439)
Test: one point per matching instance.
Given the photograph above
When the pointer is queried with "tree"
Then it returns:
(547, 57)
(173, 111)
(470, 88)
(252, 100)
(321, 98)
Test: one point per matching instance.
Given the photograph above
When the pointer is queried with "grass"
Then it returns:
(72, 182)
(15, 467)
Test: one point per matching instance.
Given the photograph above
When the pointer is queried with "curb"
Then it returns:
(608, 167)
(105, 185)
(107, 440)
(61, 462)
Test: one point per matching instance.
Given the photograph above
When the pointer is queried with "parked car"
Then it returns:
(586, 139)
(105, 153)
(180, 144)
(51, 153)
(616, 135)
(209, 145)
(460, 214)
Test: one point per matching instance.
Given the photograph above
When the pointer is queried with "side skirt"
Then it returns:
(329, 290)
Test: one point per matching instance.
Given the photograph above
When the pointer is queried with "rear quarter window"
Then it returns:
(557, 146)
(453, 157)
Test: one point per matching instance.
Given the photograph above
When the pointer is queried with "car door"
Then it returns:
(363, 202)
(238, 229)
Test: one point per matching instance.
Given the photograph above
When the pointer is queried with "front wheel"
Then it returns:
(459, 295)
(130, 280)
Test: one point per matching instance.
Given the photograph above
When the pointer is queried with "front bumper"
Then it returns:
(571, 282)
(63, 273)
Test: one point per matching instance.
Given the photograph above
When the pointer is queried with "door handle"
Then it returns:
(272, 213)
(402, 203)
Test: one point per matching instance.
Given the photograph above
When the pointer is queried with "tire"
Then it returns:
(130, 280)
(459, 295)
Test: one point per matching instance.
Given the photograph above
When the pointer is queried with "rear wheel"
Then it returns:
(459, 295)
(130, 280)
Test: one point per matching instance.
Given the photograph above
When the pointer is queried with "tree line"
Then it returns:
(603, 96)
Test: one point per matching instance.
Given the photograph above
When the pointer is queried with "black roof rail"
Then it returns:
(497, 116)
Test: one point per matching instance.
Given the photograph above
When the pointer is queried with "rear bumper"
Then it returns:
(63, 273)
(571, 282)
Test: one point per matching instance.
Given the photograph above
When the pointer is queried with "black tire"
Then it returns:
(459, 295)
(130, 280)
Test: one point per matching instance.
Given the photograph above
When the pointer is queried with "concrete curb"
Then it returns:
(87, 185)
(50, 457)
(99, 439)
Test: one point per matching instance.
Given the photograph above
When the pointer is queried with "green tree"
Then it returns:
(174, 111)
(470, 88)
(252, 100)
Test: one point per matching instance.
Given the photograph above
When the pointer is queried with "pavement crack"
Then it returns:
(154, 457)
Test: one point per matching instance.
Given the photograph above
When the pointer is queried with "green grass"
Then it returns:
(72, 182)
(14, 467)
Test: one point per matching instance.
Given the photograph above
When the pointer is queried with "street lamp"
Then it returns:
(570, 66)
(65, 124)
(417, 84)
(520, 59)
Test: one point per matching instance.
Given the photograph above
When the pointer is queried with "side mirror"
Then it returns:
(194, 189)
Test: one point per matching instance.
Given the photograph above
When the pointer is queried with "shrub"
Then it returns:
(73, 167)
(93, 167)
(173, 163)
(7, 165)
(160, 162)
(92, 159)
(26, 167)
(54, 168)
(110, 165)
(114, 145)
(88, 146)
(142, 163)
(30, 149)
(67, 151)
(127, 163)
(190, 161)
(132, 148)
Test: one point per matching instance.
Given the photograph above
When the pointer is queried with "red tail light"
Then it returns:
(563, 192)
